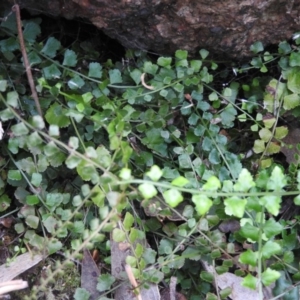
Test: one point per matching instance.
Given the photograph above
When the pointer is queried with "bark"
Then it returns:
(228, 26)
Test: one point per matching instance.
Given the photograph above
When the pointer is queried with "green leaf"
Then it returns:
(6, 114)
(245, 182)
(76, 83)
(203, 203)
(73, 142)
(204, 53)
(283, 286)
(212, 184)
(295, 59)
(81, 294)
(235, 206)
(281, 132)
(277, 180)
(207, 276)
(38, 122)
(115, 76)
(297, 200)
(128, 221)
(32, 199)
(12, 99)
(257, 47)
(288, 257)
(118, 235)
(272, 204)
(173, 197)
(73, 161)
(19, 129)
(165, 247)
(213, 96)
(31, 31)
(70, 58)
(98, 196)
(14, 175)
(105, 282)
(294, 81)
(164, 61)
(214, 157)
(249, 257)
(270, 248)
(150, 68)
(36, 179)
(32, 221)
(259, 146)
(181, 54)
(136, 75)
(196, 65)
(180, 181)
(53, 246)
(250, 282)
(95, 70)
(272, 228)
(54, 199)
(149, 256)
(9, 45)
(265, 134)
(155, 173)
(51, 47)
(51, 72)
(34, 58)
(269, 276)
(86, 170)
(291, 101)
(228, 115)
(250, 232)
(55, 116)
(147, 190)
(4, 202)
(50, 223)
(284, 47)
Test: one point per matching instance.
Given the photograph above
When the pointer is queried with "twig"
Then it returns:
(16, 9)
(149, 87)
(173, 282)
(14, 285)
(132, 280)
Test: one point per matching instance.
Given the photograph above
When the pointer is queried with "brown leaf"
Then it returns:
(89, 275)
(290, 148)
(125, 291)
(6, 222)
(229, 226)
(21, 264)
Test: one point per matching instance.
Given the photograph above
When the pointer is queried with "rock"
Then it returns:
(224, 27)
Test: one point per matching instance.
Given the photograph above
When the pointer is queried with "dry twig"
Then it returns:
(13, 285)
(132, 280)
(16, 9)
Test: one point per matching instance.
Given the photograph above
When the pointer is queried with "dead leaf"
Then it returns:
(21, 264)
(291, 141)
(119, 252)
(238, 292)
(6, 222)
(229, 226)
(157, 208)
(89, 275)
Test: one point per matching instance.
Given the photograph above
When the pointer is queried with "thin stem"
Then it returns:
(16, 9)
(259, 267)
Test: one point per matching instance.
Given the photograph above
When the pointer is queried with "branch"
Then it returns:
(16, 9)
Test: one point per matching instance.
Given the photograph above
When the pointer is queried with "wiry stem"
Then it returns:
(16, 9)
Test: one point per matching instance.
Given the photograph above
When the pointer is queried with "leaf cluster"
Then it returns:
(145, 145)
